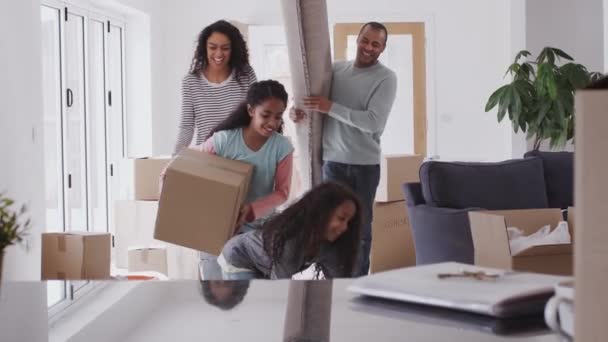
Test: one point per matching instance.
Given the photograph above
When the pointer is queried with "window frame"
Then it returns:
(72, 291)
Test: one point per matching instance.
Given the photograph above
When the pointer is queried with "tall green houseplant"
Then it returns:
(540, 98)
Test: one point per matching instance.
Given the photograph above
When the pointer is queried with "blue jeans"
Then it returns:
(363, 180)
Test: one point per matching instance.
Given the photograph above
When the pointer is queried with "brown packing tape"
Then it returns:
(61, 243)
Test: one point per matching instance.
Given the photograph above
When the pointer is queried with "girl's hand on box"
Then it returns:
(245, 215)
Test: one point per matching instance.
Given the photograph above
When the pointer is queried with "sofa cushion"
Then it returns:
(511, 184)
(559, 177)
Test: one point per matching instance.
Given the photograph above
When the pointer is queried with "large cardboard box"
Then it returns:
(591, 198)
(133, 225)
(148, 259)
(491, 241)
(76, 255)
(396, 169)
(146, 176)
(200, 201)
(392, 243)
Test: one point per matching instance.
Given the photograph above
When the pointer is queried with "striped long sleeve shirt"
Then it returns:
(206, 104)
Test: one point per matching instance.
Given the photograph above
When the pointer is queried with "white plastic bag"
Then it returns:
(544, 236)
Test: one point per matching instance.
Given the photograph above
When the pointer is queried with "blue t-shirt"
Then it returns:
(231, 145)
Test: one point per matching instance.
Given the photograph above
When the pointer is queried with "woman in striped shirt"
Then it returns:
(217, 83)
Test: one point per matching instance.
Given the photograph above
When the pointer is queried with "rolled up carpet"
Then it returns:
(308, 44)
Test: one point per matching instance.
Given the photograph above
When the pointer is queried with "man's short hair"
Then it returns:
(376, 26)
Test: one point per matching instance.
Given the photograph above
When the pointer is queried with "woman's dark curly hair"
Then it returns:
(239, 55)
(306, 222)
(258, 92)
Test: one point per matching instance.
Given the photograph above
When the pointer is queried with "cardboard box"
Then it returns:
(491, 241)
(146, 177)
(392, 243)
(590, 196)
(396, 169)
(148, 259)
(133, 225)
(76, 255)
(200, 200)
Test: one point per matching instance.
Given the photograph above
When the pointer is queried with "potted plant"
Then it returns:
(539, 100)
(12, 227)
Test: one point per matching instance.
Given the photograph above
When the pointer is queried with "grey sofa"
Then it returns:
(438, 205)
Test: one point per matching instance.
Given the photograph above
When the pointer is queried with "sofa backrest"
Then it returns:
(559, 177)
(511, 184)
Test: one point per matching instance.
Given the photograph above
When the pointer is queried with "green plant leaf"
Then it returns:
(542, 113)
(562, 54)
(515, 107)
(494, 98)
(547, 55)
(560, 111)
(522, 53)
(576, 74)
(513, 69)
(504, 102)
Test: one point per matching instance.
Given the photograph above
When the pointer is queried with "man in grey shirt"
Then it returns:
(361, 98)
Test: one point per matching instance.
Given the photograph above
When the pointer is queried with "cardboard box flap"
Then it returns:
(555, 249)
(216, 161)
(489, 236)
(209, 173)
(75, 233)
(200, 158)
(530, 220)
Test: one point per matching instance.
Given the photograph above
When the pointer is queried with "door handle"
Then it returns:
(69, 98)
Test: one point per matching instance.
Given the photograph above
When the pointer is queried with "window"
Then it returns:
(83, 85)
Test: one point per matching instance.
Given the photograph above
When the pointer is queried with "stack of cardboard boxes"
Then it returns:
(81, 255)
(134, 219)
(392, 244)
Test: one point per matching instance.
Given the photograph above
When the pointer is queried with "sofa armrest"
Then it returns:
(413, 194)
(441, 234)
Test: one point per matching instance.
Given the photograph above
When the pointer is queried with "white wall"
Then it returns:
(575, 26)
(21, 166)
(518, 145)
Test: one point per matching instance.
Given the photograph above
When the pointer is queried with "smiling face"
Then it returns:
(218, 51)
(267, 117)
(370, 44)
(338, 223)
